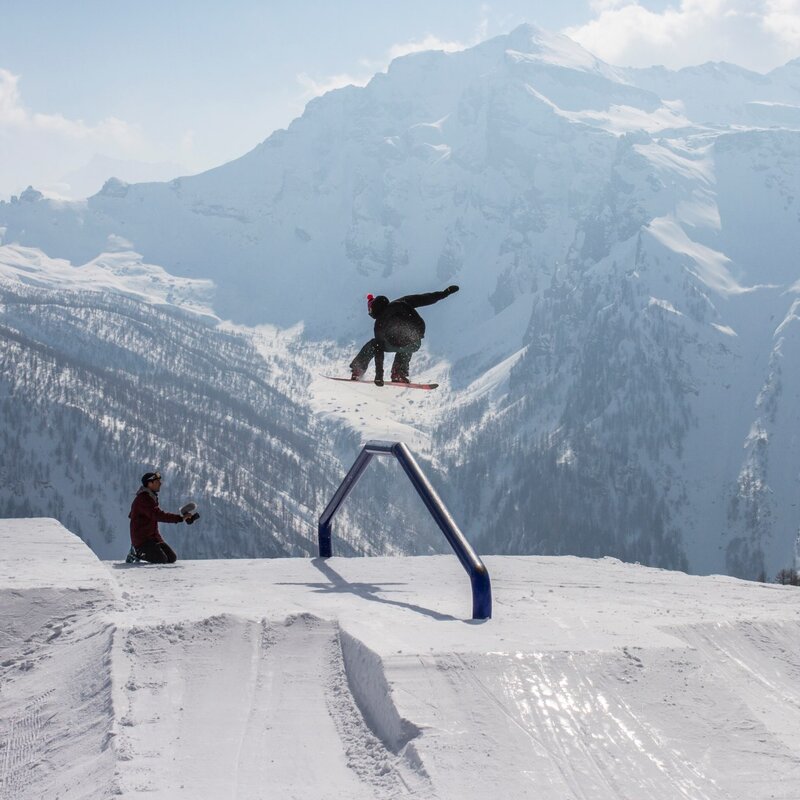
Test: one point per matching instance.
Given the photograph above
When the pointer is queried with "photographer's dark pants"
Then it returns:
(157, 553)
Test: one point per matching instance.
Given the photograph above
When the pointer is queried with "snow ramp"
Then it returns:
(361, 678)
(56, 638)
(229, 707)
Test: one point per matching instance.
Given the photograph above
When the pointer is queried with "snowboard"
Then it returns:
(397, 384)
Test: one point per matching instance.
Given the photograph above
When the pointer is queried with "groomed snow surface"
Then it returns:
(366, 678)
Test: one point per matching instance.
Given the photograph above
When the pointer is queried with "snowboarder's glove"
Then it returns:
(451, 289)
(379, 381)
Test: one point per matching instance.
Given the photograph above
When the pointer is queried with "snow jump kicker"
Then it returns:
(478, 575)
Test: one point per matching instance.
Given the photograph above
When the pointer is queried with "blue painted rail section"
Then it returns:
(478, 575)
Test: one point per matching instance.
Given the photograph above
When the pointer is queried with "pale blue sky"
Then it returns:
(199, 82)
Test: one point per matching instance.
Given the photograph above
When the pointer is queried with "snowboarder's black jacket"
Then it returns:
(397, 324)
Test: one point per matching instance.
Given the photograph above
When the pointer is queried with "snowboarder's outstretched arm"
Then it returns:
(417, 300)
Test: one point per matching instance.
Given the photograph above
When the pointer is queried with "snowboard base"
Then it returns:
(397, 384)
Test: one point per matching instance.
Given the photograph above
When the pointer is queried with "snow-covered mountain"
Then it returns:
(365, 678)
(727, 94)
(116, 368)
(91, 177)
(621, 363)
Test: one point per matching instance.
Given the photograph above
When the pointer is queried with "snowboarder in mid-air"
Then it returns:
(399, 329)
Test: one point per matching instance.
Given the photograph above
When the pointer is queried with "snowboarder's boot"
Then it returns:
(355, 374)
(132, 557)
(399, 377)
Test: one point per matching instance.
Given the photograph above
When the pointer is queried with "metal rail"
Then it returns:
(479, 576)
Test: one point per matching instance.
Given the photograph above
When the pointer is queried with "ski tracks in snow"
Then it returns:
(55, 695)
(666, 723)
(21, 743)
(246, 709)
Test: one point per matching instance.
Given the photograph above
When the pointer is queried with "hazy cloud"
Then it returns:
(13, 115)
(599, 6)
(37, 147)
(429, 42)
(758, 34)
(313, 87)
(783, 21)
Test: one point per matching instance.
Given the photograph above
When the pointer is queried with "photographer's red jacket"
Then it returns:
(145, 516)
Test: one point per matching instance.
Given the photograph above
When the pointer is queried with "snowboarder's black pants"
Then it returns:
(157, 553)
(372, 349)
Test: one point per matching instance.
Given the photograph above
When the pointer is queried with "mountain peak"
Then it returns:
(531, 33)
(114, 187)
(538, 44)
(31, 195)
(789, 67)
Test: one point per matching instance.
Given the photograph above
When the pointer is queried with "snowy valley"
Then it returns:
(120, 358)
